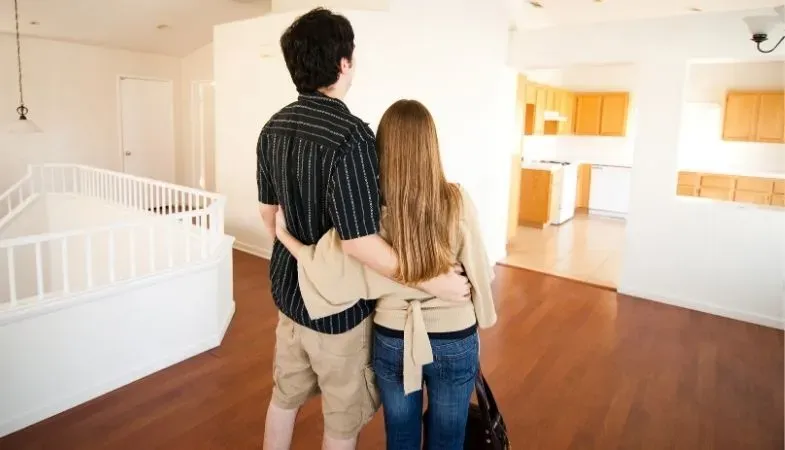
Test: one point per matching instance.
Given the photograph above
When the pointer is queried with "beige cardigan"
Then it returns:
(332, 282)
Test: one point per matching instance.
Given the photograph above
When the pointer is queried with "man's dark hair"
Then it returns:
(313, 47)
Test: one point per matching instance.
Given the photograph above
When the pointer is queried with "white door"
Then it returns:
(147, 128)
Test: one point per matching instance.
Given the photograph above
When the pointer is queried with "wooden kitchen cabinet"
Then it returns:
(740, 189)
(613, 120)
(566, 109)
(754, 117)
(600, 114)
(584, 187)
(771, 118)
(535, 198)
(588, 113)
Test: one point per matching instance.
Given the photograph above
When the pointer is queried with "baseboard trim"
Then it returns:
(709, 308)
(603, 213)
(254, 250)
(71, 401)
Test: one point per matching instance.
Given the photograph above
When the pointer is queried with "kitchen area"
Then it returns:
(573, 189)
(732, 145)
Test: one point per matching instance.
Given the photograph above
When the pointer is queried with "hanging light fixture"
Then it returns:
(760, 26)
(23, 125)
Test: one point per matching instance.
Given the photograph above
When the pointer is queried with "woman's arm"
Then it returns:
(474, 259)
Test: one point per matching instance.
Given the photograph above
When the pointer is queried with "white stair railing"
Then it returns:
(15, 198)
(178, 226)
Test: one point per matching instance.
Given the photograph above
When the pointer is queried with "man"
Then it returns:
(318, 162)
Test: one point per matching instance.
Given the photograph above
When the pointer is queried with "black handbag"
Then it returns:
(485, 427)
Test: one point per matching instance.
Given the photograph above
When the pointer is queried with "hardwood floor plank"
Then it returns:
(573, 367)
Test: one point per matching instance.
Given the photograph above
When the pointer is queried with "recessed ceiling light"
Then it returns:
(535, 4)
(163, 26)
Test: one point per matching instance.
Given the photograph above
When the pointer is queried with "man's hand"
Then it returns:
(280, 223)
(268, 218)
(452, 286)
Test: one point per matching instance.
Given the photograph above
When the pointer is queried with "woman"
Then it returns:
(432, 225)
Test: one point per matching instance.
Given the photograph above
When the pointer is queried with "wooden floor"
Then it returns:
(588, 248)
(573, 367)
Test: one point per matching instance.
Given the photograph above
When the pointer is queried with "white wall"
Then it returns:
(592, 149)
(71, 90)
(702, 147)
(452, 57)
(723, 258)
(196, 67)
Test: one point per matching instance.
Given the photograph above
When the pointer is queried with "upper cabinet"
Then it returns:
(555, 111)
(601, 114)
(588, 114)
(754, 117)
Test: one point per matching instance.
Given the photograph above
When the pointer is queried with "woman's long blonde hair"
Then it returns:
(422, 208)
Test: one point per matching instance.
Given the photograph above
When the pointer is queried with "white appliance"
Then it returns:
(568, 194)
(610, 190)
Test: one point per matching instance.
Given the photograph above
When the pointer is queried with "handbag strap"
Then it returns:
(485, 399)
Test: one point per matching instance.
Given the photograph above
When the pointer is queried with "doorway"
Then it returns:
(147, 127)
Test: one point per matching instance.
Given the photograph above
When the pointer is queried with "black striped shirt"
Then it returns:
(319, 162)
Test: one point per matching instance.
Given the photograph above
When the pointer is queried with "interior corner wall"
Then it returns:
(452, 57)
(71, 90)
(718, 257)
(195, 67)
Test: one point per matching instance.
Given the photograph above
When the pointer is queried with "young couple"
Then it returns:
(321, 184)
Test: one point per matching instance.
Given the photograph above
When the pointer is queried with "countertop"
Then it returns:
(541, 166)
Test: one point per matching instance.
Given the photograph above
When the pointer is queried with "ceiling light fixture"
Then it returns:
(23, 125)
(760, 26)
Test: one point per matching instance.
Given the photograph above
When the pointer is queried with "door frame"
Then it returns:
(198, 174)
(119, 94)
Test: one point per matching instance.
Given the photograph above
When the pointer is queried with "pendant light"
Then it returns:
(23, 125)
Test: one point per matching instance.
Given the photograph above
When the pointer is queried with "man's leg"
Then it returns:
(279, 427)
(346, 380)
(294, 383)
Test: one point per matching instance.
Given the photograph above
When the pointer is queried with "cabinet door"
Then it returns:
(539, 110)
(757, 198)
(550, 99)
(778, 200)
(613, 119)
(588, 110)
(741, 116)
(531, 93)
(568, 103)
(771, 118)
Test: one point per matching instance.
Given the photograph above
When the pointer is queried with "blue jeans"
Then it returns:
(449, 381)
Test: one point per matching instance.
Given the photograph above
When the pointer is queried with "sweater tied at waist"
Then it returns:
(416, 319)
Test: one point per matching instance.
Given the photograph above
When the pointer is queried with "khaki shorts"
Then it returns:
(336, 365)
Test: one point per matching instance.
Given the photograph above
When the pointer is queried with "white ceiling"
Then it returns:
(129, 24)
(573, 12)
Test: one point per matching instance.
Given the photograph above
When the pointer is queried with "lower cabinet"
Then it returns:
(732, 188)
